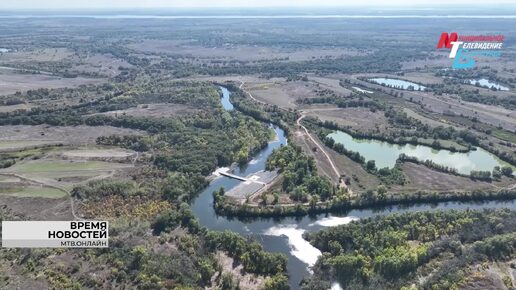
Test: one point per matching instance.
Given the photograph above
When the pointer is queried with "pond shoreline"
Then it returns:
(373, 137)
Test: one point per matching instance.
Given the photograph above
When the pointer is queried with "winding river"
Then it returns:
(285, 235)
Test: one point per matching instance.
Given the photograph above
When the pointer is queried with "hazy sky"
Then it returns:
(70, 4)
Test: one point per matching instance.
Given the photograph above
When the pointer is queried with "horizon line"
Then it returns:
(392, 6)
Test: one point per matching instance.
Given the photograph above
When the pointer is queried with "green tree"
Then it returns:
(277, 282)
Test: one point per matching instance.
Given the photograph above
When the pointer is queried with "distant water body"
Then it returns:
(100, 16)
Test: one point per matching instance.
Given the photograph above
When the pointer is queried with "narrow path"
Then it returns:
(249, 94)
(332, 165)
(509, 187)
(255, 99)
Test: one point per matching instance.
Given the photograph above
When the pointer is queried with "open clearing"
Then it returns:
(76, 135)
(39, 208)
(155, 110)
(12, 81)
(16, 145)
(421, 77)
(356, 118)
(332, 84)
(49, 178)
(93, 63)
(240, 52)
(8, 179)
(52, 170)
(64, 173)
(229, 266)
(280, 93)
(37, 55)
(98, 153)
(33, 191)
(422, 177)
(7, 109)
(52, 166)
(102, 64)
(423, 119)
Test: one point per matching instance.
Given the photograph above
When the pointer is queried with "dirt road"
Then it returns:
(320, 147)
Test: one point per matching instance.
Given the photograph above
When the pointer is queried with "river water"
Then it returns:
(284, 235)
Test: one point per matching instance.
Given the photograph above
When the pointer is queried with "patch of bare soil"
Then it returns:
(99, 153)
(35, 208)
(422, 77)
(497, 275)
(12, 278)
(361, 119)
(103, 64)
(37, 55)
(332, 84)
(155, 110)
(280, 93)
(12, 81)
(245, 280)
(19, 107)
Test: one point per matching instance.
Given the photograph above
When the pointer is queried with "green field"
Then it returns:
(60, 166)
(10, 145)
(504, 135)
(33, 191)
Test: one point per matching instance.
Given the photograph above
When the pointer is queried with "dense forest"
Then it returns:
(300, 178)
(434, 250)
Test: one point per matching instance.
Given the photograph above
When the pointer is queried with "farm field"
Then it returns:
(33, 191)
(12, 82)
(26, 135)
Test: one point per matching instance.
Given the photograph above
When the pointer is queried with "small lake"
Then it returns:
(226, 103)
(385, 154)
(487, 83)
(398, 84)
